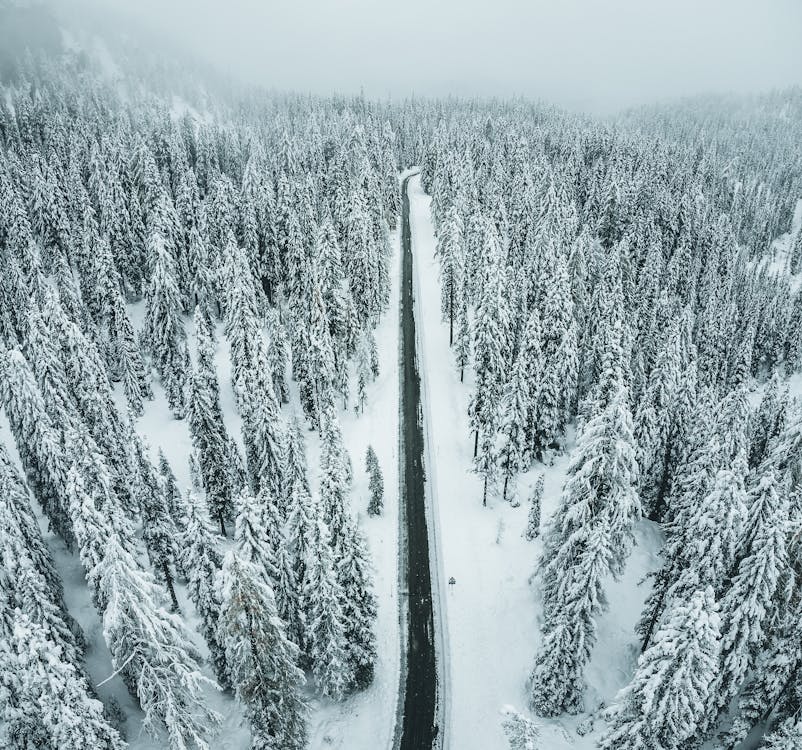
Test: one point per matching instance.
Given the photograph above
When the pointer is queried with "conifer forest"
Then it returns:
(335, 420)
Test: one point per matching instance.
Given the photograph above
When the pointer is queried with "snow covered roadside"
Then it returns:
(364, 721)
(491, 612)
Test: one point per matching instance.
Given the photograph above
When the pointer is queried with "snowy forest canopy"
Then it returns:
(632, 282)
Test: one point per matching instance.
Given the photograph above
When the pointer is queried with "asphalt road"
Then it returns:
(418, 724)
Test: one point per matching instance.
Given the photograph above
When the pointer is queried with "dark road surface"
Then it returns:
(418, 730)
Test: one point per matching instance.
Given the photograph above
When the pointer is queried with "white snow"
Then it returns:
(776, 261)
(491, 612)
(365, 720)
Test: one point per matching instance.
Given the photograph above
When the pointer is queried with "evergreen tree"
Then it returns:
(363, 374)
(37, 440)
(588, 538)
(169, 485)
(516, 405)
(358, 603)
(748, 600)
(251, 537)
(533, 519)
(489, 336)
(787, 735)
(152, 651)
(261, 660)
(325, 625)
(135, 376)
(158, 526)
(667, 698)
(449, 253)
(202, 561)
(376, 483)
(559, 347)
(769, 420)
(209, 437)
(320, 357)
(334, 476)
(462, 350)
(47, 702)
(164, 331)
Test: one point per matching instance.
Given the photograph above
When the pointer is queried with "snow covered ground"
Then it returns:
(491, 612)
(776, 262)
(364, 721)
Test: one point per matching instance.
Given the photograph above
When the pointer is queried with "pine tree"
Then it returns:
(169, 485)
(150, 648)
(747, 602)
(251, 537)
(449, 253)
(164, 331)
(320, 357)
(261, 660)
(242, 327)
(363, 374)
(772, 690)
(30, 582)
(277, 353)
(334, 476)
(559, 352)
(490, 345)
(795, 254)
(136, 383)
(704, 549)
(47, 702)
(462, 351)
(37, 440)
(668, 696)
(588, 538)
(152, 651)
(787, 735)
(515, 408)
(557, 679)
(376, 483)
(206, 425)
(655, 428)
(769, 420)
(692, 483)
(202, 560)
(358, 603)
(533, 519)
(327, 649)
(158, 525)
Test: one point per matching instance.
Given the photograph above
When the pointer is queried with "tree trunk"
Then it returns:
(476, 443)
(222, 524)
(654, 619)
(451, 316)
(484, 494)
(168, 581)
(461, 374)
(506, 481)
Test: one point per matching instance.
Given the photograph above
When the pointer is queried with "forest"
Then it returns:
(618, 299)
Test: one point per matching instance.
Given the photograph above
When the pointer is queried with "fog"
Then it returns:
(585, 54)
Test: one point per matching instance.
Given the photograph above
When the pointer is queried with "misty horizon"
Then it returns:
(577, 56)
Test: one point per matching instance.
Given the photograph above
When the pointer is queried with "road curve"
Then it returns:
(417, 727)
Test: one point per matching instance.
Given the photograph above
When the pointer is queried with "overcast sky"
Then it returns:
(589, 54)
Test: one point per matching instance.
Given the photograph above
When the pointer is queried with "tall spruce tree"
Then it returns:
(261, 660)
(668, 696)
